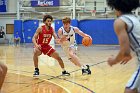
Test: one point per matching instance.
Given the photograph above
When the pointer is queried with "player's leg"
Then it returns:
(37, 53)
(18, 41)
(14, 41)
(56, 56)
(3, 71)
(69, 54)
(134, 83)
(75, 59)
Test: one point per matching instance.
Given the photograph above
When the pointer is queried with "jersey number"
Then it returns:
(45, 40)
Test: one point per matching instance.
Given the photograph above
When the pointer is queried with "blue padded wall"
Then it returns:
(18, 28)
(29, 28)
(101, 31)
(57, 25)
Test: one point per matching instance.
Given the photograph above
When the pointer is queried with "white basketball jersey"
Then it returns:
(133, 30)
(70, 36)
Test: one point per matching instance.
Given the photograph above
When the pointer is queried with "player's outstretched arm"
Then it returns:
(57, 40)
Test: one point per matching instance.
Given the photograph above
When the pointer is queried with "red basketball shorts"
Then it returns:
(47, 50)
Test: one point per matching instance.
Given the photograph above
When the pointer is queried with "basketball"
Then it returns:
(87, 41)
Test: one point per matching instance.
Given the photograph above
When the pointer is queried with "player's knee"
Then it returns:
(58, 58)
(37, 52)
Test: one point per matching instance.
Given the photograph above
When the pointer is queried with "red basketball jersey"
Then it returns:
(45, 37)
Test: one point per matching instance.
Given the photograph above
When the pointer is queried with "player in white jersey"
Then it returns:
(67, 35)
(127, 28)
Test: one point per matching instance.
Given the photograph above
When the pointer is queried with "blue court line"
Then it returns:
(54, 77)
(77, 70)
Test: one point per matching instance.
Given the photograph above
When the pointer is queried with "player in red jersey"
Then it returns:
(41, 40)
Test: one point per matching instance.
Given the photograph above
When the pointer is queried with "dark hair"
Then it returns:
(125, 6)
(46, 17)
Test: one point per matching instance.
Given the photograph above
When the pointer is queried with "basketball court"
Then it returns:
(103, 79)
(92, 17)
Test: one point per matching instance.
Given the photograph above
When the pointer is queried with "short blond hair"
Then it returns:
(66, 20)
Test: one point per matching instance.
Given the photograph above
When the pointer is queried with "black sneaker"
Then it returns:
(86, 71)
(36, 73)
(65, 73)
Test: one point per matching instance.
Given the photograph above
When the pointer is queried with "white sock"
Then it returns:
(63, 69)
(84, 67)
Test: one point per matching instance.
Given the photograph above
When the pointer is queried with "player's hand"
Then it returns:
(89, 36)
(57, 41)
(126, 59)
(111, 61)
(63, 38)
(38, 47)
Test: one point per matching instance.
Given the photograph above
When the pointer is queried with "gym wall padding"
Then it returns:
(57, 25)
(18, 28)
(101, 31)
(29, 28)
